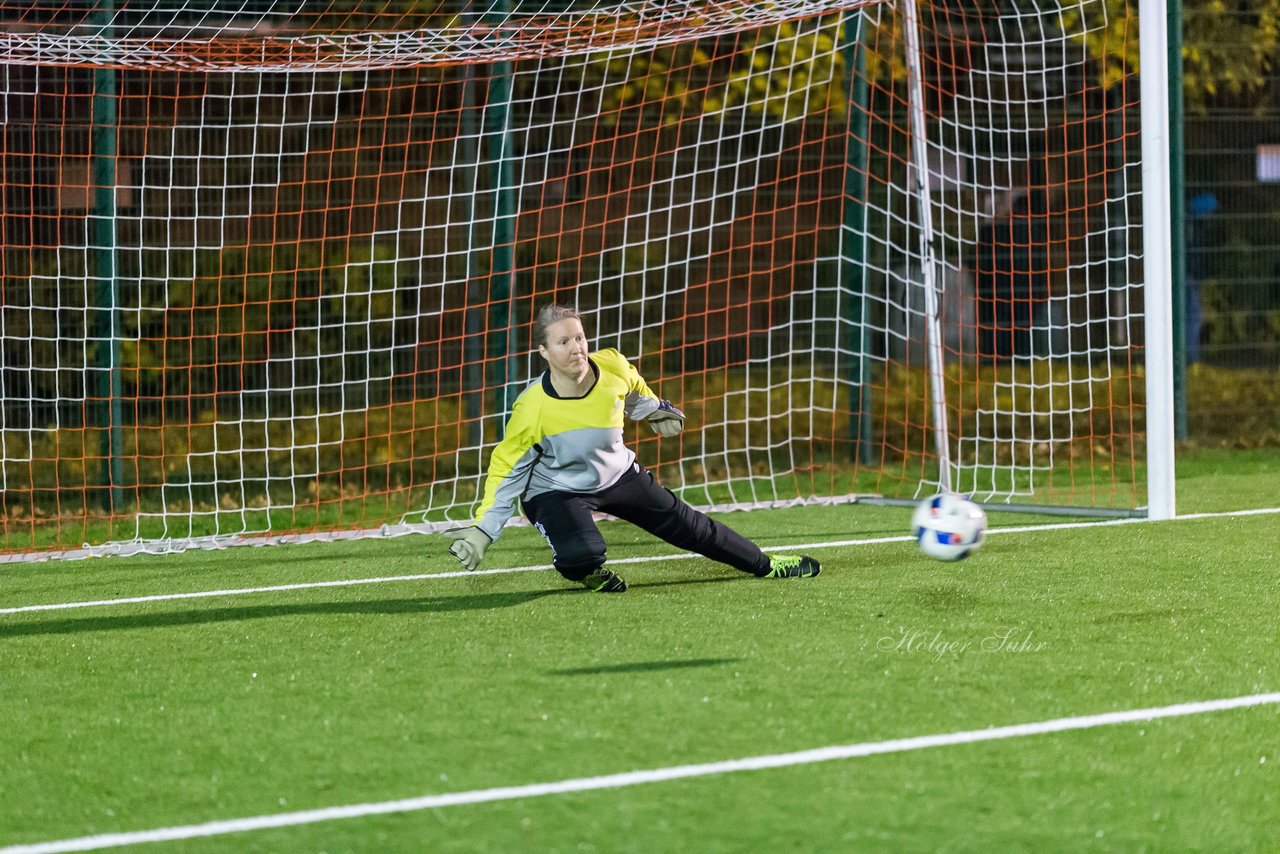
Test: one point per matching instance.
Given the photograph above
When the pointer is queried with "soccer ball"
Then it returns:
(948, 527)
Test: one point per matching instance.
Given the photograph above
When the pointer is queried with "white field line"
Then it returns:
(355, 582)
(635, 778)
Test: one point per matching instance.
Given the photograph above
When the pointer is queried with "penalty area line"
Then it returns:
(356, 582)
(636, 778)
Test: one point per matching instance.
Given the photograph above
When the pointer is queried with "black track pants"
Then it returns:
(564, 519)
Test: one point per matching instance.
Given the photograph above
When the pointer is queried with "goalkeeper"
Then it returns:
(563, 458)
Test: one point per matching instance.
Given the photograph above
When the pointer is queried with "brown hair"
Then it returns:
(550, 314)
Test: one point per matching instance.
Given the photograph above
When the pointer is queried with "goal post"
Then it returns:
(1157, 256)
(267, 273)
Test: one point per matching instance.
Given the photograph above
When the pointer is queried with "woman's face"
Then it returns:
(565, 349)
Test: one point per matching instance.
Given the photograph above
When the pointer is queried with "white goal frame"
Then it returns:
(755, 431)
(1157, 241)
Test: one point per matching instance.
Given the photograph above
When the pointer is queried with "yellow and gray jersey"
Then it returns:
(565, 444)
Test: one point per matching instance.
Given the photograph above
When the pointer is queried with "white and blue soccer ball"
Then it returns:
(948, 526)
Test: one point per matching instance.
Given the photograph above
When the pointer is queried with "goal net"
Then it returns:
(269, 268)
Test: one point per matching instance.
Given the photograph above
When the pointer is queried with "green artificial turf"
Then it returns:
(130, 717)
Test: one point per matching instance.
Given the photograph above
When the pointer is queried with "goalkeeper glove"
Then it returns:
(666, 420)
(469, 545)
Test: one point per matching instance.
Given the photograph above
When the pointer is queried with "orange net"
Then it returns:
(270, 276)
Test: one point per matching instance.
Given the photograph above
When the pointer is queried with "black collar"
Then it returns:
(551, 390)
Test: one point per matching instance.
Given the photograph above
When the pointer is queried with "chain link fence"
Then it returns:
(1232, 168)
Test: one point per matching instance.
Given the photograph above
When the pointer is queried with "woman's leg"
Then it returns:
(640, 500)
(565, 522)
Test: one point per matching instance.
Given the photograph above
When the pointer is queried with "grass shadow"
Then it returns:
(642, 666)
(683, 581)
(170, 619)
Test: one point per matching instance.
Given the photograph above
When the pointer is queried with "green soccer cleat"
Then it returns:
(604, 581)
(801, 566)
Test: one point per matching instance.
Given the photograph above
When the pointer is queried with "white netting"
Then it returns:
(177, 39)
(269, 274)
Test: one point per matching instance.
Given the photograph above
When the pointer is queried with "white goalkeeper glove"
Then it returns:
(469, 545)
(666, 420)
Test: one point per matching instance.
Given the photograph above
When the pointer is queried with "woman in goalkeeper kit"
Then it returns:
(563, 458)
